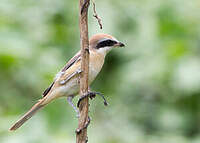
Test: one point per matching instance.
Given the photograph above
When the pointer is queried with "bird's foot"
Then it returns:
(69, 99)
(79, 130)
(91, 95)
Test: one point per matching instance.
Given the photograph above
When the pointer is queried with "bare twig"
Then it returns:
(96, 15)
(81, 132)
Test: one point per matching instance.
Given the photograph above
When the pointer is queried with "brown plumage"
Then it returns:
(66, 82)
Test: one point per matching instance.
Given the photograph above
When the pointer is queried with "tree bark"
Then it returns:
(81, 137)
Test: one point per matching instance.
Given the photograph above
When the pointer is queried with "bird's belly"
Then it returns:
(93, 72)
(72, 87)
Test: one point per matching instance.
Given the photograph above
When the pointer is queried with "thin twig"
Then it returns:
(96, 15)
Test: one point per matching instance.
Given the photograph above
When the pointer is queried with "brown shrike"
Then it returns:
(66, 82)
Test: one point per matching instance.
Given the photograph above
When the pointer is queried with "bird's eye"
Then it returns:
(106, 43)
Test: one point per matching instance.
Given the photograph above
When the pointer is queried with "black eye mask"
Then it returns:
(106, 43)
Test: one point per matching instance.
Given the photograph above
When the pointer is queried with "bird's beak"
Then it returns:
(120, 44)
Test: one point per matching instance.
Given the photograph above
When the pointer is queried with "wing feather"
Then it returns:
(73, 60)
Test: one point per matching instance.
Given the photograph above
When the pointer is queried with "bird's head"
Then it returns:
(103, 43)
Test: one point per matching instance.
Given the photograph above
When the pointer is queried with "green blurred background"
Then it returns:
(152, 85)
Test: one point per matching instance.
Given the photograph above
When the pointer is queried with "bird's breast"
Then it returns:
(95, 66)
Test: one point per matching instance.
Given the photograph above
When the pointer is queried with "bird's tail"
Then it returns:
(28, 115)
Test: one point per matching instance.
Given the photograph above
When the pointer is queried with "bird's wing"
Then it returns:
(47, 90)
(72, 61)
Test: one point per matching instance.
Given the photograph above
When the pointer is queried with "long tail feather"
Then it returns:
(28, 115)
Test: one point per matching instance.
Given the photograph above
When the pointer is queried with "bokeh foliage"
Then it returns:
(152, 85)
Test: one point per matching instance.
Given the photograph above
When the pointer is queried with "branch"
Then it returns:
(96, 15)
(81, 132)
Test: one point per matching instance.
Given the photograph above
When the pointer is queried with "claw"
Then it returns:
(92, 95)
(100, 94)
(81, 98)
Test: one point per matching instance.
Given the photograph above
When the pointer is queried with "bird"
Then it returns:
(67, 81)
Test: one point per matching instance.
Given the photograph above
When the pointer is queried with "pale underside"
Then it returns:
(71, 87)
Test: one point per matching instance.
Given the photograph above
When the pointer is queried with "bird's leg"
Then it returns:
(91, 95)
(69, 99)
(85, 126)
